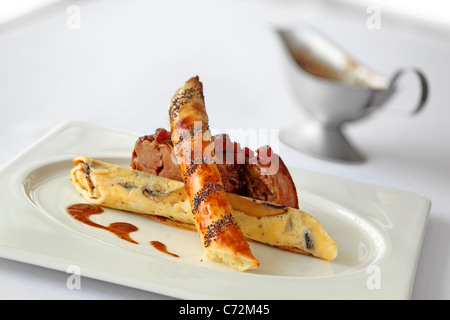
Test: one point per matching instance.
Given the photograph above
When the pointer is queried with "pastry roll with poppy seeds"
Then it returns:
(222, 239)
(165, 200)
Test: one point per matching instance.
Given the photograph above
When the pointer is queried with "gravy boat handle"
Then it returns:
(423, 85)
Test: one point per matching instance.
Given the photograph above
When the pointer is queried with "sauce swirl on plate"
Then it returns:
(162, 247)
(83, 211)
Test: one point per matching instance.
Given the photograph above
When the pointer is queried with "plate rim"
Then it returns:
(21, 255)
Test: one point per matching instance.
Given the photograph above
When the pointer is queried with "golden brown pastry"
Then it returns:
(165, 200)
(217, 226)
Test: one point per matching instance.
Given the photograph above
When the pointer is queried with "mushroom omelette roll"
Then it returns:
(219, 231)
(165, 200)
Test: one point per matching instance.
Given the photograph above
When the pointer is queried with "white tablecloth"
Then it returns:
(117, 63)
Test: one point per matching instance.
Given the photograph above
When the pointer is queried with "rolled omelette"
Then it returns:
(165, 200)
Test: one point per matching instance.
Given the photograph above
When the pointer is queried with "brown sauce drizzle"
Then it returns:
(162, 247)
(82, 212)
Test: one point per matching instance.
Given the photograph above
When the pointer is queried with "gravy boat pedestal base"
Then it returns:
(321, 141)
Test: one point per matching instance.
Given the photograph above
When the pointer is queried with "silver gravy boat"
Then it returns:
(333, 89)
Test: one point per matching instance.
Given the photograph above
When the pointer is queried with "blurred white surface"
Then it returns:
(117, 64)
(432, 12)
(13, 9)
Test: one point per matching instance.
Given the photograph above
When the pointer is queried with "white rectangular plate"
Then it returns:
(378, 231)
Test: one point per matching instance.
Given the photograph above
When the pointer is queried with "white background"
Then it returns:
(121, 66)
